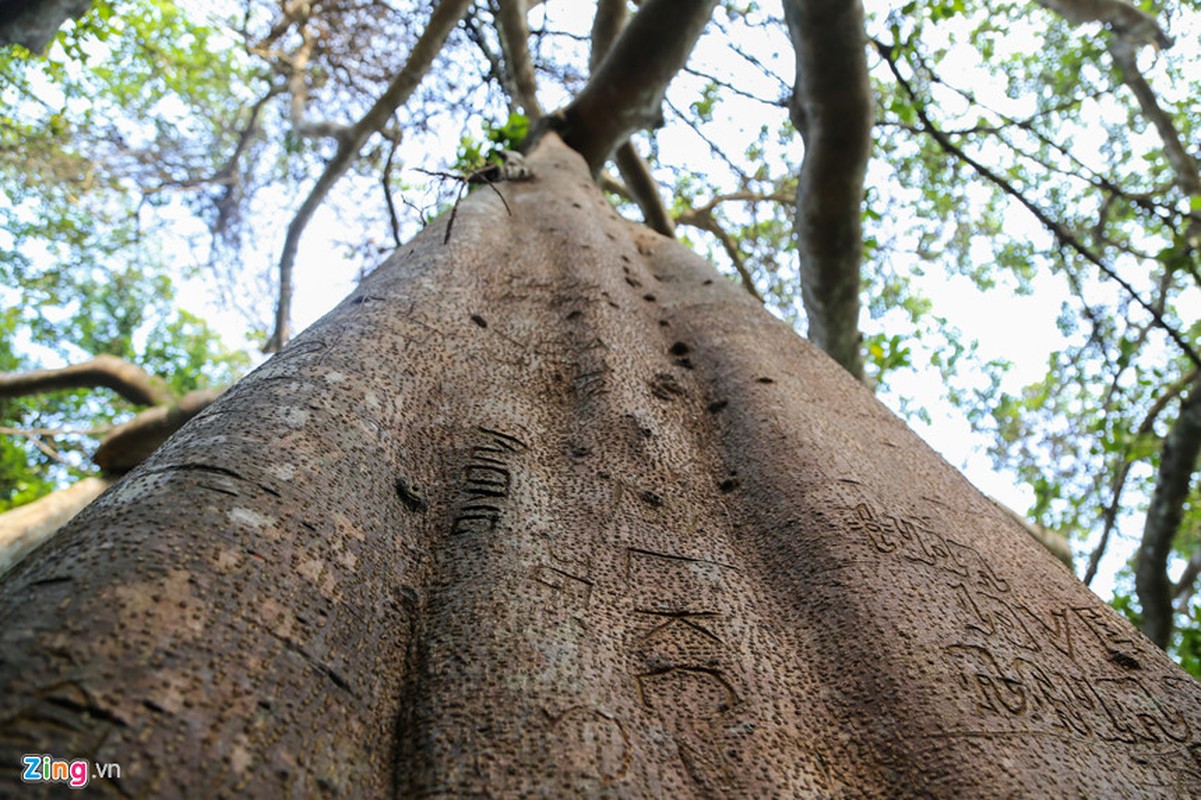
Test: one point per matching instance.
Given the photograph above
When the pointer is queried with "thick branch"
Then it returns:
(25, 527)
(33, 24)
(832, 109)
(1132, 25)
(128, 444)
(514, 44)
(1176, 465)
(607, 24)
(128, 380)
(626, 89)
(443, 20)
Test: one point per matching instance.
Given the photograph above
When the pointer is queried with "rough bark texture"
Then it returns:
(555, 510)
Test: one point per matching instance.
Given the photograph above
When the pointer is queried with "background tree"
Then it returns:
(133, 120)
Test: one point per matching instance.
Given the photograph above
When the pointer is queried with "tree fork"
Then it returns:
(626, 88)
(553, 509)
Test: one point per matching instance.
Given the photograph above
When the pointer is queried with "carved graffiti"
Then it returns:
(484, 482)
(679, 643)
(914, 541)
(1122, 709)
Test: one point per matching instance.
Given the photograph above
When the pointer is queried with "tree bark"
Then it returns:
(555, 510)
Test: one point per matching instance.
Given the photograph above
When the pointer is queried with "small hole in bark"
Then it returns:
(575, 314)
(679, 349)
(663, 323)
(614, 305)
(764, 380)
(478, 320)
(708, 282)
(686, 363)
(728, 485)
(652, 499)
(650, 298)
(576, 205)
(411, 495)
(1124, 660)
(718, 405)
(580, 451)
(633, 282)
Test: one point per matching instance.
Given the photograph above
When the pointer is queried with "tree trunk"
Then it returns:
(555, 510)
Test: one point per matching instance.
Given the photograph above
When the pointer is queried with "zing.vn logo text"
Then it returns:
(44, 768)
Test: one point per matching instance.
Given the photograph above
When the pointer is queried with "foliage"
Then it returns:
(93, 134)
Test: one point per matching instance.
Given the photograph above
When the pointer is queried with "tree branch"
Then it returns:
(1132, 25)
(644, 190)
(626, 89)
(33, 25)
(1135, 28)
(1065, 237)
(1183, 590)
(703, 219)
(514, 44)
(443, 20)
(1176, 465)
(1119, 479)
(128, 380)
(128, 444)
(298, 88)
(25, 527)
(607, 24)
(496, 69)
(832, 109)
